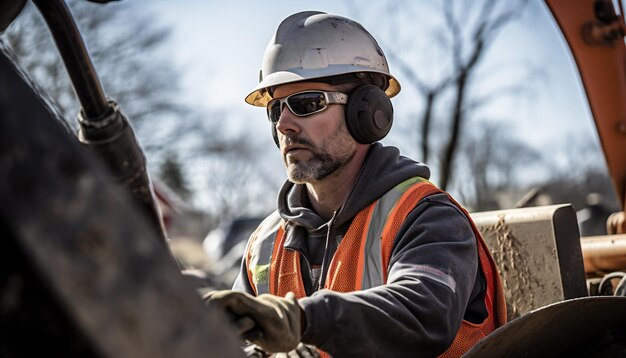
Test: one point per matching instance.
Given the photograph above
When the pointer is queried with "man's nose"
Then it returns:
(287, 123)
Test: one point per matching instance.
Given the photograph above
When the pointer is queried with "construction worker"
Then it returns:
(364, 256)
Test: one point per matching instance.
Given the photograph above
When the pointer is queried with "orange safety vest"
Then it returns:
(273, 269)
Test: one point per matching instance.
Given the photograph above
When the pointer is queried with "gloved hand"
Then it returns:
(277, 320)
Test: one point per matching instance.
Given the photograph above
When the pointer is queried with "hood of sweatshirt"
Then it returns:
(382, 170)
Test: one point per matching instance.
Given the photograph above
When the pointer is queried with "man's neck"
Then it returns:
(327, 195)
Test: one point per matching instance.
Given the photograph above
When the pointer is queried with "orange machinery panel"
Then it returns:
(596, 38)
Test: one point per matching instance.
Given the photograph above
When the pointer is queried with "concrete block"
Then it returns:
(537, 251)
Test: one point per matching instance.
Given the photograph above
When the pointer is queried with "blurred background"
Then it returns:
(491, 100)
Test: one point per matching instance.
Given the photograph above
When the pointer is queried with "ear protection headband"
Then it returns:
(368, 113)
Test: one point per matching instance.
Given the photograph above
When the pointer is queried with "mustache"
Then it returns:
(298, 140)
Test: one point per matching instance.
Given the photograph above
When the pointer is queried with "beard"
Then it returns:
(322, 163)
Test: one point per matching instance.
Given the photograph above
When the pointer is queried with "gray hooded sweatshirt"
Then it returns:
(415, 314)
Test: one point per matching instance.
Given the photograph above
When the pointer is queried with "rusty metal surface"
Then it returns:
(600, 54)
(602, 254)
(82, 273)
(582, 327)
(537, 251)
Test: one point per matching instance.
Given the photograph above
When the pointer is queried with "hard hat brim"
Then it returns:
(260, 95)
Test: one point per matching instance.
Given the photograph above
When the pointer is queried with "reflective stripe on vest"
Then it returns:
(259, 253)
(374, 274)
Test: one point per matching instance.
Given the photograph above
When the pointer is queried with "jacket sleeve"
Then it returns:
(432, 271)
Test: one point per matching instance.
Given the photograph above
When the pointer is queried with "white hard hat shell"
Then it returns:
(312, 45)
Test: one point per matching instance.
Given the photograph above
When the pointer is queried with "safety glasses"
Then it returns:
(304, 103)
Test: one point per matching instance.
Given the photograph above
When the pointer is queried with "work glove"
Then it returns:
(271, 322)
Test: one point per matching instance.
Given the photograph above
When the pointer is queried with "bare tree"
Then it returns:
(237, 186)
(462, 36)
(430, 92)
(498, 163)
(127, 49)
(171, 173)
(465, 63)
(576, 176)
(125, 54)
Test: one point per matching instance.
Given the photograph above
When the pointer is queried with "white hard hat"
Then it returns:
(312, 45)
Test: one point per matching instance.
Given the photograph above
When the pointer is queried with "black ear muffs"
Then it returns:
(369, 114)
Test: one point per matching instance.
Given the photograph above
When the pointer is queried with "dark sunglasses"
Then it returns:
(304, 103)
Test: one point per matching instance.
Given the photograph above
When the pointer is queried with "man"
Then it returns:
(364, 256)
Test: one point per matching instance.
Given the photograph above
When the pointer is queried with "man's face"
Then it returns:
(315, 146)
